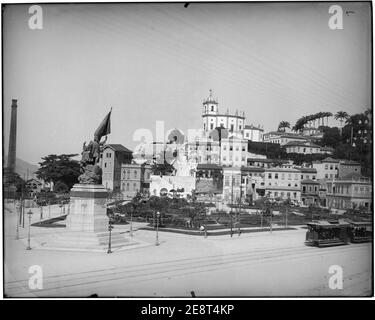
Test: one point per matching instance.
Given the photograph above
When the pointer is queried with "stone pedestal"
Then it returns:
(88, 212)
(87, 223)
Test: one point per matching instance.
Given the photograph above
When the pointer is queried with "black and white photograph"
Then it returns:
(187, 150)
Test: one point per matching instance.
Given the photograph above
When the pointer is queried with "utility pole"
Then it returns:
(239, 213)
(286, 215)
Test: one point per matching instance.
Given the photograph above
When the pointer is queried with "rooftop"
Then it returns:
(253, 127)
(267, 160)
(117, 147)
(301, 144)
(207, 166)
(309, 181)
(252, 169)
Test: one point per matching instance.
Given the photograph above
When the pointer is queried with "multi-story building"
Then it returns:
(212, 118)
(283, 183)
(283, 138)
(350, 192)
(347, 167)
(310, 192)
(113, 156)
(233, 152)
(203, 150)
(253, 133)
(305, 147)
(135, 178)
(308, 173)
(266, 163)
(232, 187)
(328, 168)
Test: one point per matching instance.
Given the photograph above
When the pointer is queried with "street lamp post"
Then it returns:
(157, 228)
(30, 213)
(18, 214)
(131, 223)
(49, 208)
(41, 212)
(110, 227)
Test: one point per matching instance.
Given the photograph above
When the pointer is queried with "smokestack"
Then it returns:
(13, 137)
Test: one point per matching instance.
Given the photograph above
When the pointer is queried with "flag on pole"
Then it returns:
(105, 127)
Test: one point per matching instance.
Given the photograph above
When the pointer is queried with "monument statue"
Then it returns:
(90, 169)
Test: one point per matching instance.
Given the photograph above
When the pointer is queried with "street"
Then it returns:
(255, 264)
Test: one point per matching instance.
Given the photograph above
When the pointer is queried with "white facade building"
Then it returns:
(253, 133)
(234, 152)
(212, 118)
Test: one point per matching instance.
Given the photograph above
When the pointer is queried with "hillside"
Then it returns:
(23, 168)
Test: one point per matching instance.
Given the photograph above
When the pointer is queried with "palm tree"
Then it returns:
(327, 115)
(299, 124)
(322, 115)
(283, 125)
(341, 116)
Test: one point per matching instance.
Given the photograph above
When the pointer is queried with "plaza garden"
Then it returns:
(191, 217)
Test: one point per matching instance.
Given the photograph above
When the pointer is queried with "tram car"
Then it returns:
(360, 231)
(324, 233)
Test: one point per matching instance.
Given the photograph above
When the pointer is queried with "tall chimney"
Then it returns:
(13, 137)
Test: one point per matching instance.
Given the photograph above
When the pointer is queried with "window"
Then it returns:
(135, 174)
(276, 176)
(212, 108)
(127, 186)
(237, 148)
(326, 176)
(211, 126)
(105, 164)
(326, 167)
(270, 176)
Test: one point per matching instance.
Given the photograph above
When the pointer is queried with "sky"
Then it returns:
(157, 62)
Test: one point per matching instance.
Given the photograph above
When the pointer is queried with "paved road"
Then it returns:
(265, 264)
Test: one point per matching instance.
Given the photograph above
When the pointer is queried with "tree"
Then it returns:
(13, 179)
(59, 168)
(283, 125)
(331, 137)
(341, 116)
